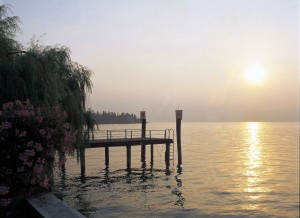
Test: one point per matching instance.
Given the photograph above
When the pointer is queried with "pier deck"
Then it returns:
(132, 137)
(126, 137)
(98, 143)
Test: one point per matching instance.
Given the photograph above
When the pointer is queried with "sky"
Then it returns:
(159, 55)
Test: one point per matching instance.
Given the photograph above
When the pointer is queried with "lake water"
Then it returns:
(228, 170)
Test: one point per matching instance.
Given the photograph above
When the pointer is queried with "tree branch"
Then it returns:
(15, 52)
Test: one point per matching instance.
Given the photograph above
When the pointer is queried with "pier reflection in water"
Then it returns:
(116, 191)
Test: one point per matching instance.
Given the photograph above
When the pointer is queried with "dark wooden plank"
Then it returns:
(123, 142)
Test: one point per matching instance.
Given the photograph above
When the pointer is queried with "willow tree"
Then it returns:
(46, 75)
(8, 62)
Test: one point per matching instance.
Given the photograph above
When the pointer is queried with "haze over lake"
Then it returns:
(195, 54)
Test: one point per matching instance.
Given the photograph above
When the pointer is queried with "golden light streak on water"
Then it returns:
(253, 163)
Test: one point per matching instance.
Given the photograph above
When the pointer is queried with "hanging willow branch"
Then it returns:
(15, 52)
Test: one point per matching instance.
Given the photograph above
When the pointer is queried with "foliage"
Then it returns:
(90, 124)
(45, 75)
(111, 117)
(29, 139)
(8, 28)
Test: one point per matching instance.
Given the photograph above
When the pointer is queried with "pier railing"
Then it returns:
(131, 134)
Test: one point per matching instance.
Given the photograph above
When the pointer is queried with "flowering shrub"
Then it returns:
(29, 138)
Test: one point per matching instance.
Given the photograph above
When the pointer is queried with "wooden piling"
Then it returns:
(128, 151)
(82, 162)
(167, 154)
(152, 152)
(151, 157)
(143, 134)
(106, 156)
(178, 135)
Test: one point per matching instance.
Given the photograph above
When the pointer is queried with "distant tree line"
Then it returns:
(107, 117)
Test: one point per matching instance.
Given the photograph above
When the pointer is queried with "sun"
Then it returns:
(255, 74)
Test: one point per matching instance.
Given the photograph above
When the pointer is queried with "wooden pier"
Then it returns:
(136, 137)
(133, 137)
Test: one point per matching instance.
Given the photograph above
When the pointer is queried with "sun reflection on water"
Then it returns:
(254, 161)
(254, 149)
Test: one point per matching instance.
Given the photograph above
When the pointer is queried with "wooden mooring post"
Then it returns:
(167, 154)
(151, 156)
(178, 134)
(128, 151)
(143, 135)
(106, 156)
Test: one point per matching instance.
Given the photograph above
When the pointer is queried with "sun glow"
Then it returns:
(255, 74)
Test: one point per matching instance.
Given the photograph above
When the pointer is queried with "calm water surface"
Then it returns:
(228, 170)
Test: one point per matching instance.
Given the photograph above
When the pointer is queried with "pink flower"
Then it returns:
(23, 113)
(6, 125)
(4, 189)
(8, 105)
(66, 125)
(40, 119)
(38, 169)
(38, 147)
(30, 144)
(4, 202)
(23, 134)
(20, 169)
(19, 103)
(42, 132)
(33, 181)
(49, 136)
(29, 152)
(25, 156)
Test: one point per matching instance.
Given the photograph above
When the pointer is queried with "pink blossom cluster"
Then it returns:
(5, 202)
(4, 190)
(22, 109)
(28, 142)
(5, 125)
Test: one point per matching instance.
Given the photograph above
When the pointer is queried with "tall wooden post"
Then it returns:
(128, 151)
(167, 154)
(178, 134)
(106, 156)
(152, 158)
(143, 135)
(82, 162)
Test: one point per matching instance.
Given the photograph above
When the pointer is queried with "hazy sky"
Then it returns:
(160, 54)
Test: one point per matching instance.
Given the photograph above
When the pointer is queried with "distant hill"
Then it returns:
(107, 117)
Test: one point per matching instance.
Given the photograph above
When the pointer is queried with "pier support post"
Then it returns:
(106, 156)
(82, 162)
(178, 134)
(143, 135)
(128, 151)
(167, 154)
(152, 162)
